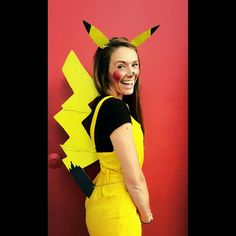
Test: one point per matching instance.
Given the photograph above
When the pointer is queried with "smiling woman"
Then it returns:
(120, 200)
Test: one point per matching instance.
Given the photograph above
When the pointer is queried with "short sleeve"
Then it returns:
(112, 114)
(116, 113)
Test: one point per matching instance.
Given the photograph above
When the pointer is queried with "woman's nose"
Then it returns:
(130, 72)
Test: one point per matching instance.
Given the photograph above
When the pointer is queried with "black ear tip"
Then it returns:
(153, 29)
(87, 26)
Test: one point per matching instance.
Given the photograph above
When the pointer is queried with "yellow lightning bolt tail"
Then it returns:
(96, 35)
(79, 148)
(141, 38)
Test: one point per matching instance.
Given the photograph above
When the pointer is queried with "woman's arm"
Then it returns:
(124, 146)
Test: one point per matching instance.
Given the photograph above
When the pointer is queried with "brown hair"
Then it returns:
(100, 74)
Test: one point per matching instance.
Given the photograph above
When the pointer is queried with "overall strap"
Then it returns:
(92, 127)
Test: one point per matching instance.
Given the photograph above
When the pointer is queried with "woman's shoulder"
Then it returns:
(115, 105)
(112, 114)
(115, 110)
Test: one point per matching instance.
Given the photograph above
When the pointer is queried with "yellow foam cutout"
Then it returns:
(79, 148)
(98, 37)
(141, 38)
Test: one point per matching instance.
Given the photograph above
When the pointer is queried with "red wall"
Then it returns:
(164, 64)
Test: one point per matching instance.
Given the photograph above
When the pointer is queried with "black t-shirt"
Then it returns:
(112, 114)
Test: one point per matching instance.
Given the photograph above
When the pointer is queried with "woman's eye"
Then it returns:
(135, 65)
(121, 66)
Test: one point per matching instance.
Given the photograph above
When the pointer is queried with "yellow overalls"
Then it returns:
(110, 210)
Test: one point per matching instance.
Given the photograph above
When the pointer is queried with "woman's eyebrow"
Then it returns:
(125, 62)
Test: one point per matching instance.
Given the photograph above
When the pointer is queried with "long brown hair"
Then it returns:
(101, 60)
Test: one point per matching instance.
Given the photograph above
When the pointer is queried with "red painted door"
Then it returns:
(164, 64)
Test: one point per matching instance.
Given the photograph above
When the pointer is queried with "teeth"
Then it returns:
(127, 82)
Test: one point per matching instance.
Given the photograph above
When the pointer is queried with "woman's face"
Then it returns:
(123, 71)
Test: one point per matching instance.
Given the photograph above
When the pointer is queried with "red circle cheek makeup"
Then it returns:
(117, 76)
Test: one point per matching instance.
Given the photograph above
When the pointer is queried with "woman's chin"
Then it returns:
(128, 92)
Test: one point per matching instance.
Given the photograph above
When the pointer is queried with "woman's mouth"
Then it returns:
(128, 83)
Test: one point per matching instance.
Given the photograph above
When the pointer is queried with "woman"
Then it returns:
(120, 200)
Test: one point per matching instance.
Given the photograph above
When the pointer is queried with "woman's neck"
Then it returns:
(114, 93)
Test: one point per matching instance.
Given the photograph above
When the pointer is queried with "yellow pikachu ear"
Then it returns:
(141, 38)
(96, 35)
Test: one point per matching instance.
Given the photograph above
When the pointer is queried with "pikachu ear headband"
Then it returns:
(101, 40)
